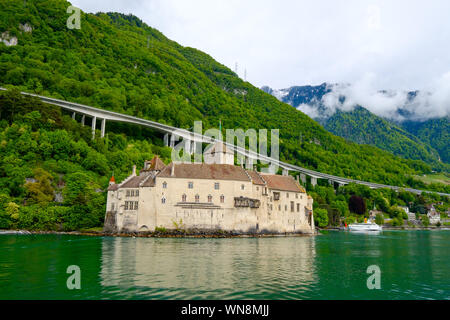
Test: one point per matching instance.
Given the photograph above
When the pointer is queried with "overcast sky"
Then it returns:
(401, 44)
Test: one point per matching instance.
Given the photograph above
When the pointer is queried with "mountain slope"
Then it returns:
(119, 63)
(435, 132)
(361, 126)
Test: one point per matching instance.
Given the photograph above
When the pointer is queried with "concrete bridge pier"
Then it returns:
(166, 140)
(313, 181)
(248, 163)
(103, 128)
(187, 146)
(285, 172)
(74, 115)
(94, 123)
(303, 178)
(172, 141)
(83, 118)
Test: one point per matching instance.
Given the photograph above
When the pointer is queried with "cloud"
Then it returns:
(434, 102)
(291, 42)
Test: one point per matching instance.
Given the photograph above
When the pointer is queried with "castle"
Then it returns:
(215, 195)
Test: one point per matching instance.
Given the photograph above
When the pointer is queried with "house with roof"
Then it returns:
(433, 215)
(216, 195)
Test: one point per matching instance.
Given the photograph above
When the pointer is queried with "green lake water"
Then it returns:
(413, 265)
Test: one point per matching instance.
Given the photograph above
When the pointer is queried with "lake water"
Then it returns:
(413, 264)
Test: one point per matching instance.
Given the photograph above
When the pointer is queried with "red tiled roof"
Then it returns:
(113, 187)
(135, 181)
(282, 183)
(205, 171)
(256, 178)
(156, 164)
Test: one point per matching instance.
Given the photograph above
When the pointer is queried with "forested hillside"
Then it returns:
(52, 174)
(363, 127)
(119, 63)
(412, 138)
(435, 132)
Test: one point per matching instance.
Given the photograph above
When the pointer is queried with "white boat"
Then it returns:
(365, 227)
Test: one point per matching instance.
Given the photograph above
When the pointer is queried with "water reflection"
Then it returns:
(209, 268)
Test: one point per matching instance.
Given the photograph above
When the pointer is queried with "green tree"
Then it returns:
(425, 220)
(321, 217)
(379, 219)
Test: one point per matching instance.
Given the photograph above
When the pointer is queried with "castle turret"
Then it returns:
(219, 154)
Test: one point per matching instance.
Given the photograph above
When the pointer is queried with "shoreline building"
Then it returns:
(208, 196)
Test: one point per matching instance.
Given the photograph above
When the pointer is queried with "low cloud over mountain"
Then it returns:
(324, 100)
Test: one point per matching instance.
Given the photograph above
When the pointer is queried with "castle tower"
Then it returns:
(219, 154)
(112, 181)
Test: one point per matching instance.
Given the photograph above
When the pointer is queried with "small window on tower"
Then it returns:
(190, 185)
(222, 199)
(209, 198)
(183, 198)
(197, 198)
(216, 186)
(164, 185)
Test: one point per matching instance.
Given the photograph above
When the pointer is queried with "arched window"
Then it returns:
(164, 185)
(197, 198)
(163, 200)
(222, 199)
(209, 198)
(183, 198)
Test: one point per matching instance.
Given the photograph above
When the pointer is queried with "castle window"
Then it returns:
(183, 198)
(217, 186)
(257, 188)
(126, 205)
(298, 207)
(279, 207)
(128, 193)
(285, 207)
(222, 199)
(190, 185)
(242, 187)
(136, 205)
(292, 206)
(163, 200)
(296, 196)
(287, 195)
(209, 198)
(136, 193)
(112, 206)
(164, 185)
(197, 198)
(276, 196)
